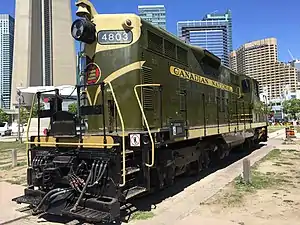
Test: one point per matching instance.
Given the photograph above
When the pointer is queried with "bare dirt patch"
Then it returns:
(273, 197)
(16, 175)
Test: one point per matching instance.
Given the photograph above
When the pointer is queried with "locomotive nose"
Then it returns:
(83, 30)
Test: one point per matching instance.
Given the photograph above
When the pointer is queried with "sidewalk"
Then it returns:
(7, 206)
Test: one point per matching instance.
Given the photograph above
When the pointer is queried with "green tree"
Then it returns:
(24, 115)
(262, 108)
(291, 107)
(3, 116)
(35, 109)
(72, 107)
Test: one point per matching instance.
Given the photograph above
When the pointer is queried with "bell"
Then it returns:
(82, 11)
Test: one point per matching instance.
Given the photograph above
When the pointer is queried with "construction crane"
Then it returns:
(291, 55)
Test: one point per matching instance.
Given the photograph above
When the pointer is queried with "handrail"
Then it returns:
(123, 133)
(28, 125)
(239, 92)
(144, 117)
(71, 143)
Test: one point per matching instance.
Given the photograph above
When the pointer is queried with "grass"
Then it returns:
(142, 215)
(19, 164)
(275, 154)
(6, 146)
(275, 128)
(258, 181)
(20, 180)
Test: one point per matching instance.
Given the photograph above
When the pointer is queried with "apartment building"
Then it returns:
(259, 59)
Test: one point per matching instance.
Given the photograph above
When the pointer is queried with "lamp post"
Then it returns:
(20, 98)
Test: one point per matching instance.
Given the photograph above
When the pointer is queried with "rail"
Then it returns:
(123, 133)
(145, 119)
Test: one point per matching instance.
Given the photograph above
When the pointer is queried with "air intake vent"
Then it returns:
(147, 91)
(155, 42)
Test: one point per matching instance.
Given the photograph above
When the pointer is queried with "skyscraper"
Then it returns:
(155, 14)
(213, 32)
(233, 61)
(6, 58)
(259, 59)
(296, 64)
(44, 48)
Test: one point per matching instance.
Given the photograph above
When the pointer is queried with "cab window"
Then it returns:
(246, 86)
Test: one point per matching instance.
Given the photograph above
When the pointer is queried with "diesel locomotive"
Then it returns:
(150, 108)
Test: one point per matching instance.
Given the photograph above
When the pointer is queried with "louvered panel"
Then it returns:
(148, 98)
(147, 75)
(148, 94)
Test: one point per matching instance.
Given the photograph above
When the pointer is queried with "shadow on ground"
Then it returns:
(146, 203)
(149, 202)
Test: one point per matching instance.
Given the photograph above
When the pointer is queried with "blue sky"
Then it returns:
(252, 20)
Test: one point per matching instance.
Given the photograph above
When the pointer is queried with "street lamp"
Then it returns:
(20, 102)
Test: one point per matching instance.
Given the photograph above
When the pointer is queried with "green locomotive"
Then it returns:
(155, 108)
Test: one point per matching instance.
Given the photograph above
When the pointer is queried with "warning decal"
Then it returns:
(135, 140)
(93, 73)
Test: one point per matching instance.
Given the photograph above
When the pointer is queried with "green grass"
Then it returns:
(275, 128)
(7, 146)
(258, 180)
(19, 164)
(273, 155)
(142, 215)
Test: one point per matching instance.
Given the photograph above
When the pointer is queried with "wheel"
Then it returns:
(248, 145)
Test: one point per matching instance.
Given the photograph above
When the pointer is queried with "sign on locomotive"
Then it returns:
(154, 108)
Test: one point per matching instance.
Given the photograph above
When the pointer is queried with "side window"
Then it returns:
(246, 86)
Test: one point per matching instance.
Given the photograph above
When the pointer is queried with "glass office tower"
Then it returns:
(155, 14)
(6, 58)
(213, 32)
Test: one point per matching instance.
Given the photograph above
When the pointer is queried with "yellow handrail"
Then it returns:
(28, 125)
(123, 132)
(71, 143)
(145, 119)
(239, 92)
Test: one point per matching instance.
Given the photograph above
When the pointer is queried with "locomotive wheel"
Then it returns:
(203, 160)
(248, 145)
(220, 153)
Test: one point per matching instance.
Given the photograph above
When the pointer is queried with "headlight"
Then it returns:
(83, 30)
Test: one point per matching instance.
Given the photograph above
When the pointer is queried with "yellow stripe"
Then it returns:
(200, 132)
(118, 73)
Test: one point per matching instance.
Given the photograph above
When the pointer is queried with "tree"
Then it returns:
(291, 107)
(72, 107)
(262, 108)
(35, 109)
(3, 116)
(24, 115)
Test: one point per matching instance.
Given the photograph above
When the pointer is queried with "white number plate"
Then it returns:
(114, 37)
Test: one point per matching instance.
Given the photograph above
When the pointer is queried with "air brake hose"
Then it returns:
(46, 196)
(83, 190)
(101, 172)
(59, 193)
